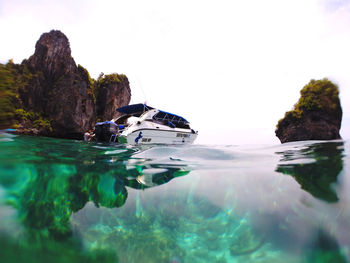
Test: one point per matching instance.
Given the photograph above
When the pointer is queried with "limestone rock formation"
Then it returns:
(63, 94)
(58, 89)
(316, 116)
(111, 91)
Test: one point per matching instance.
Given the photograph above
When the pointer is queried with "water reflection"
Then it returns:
(315, 167)
(49, 200)
(325, 249)
(47, 185)
(87, 200)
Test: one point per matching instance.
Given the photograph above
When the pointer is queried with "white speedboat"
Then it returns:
(142, 124)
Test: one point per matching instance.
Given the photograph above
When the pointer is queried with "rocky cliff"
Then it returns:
(111, 91)
(55, 97)
(316, 116)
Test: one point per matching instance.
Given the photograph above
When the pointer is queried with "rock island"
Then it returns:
(316, 116)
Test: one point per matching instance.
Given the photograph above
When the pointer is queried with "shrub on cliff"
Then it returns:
(103, 81)
(7, 95)
(316, 116)
(13, 77)
(317, 95)
(90, 81)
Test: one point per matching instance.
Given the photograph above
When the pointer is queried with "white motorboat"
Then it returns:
(146, 125)
(142, 124)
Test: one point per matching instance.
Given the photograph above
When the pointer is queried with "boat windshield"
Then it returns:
(171, 119)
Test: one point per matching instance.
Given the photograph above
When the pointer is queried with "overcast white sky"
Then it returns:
(231, 67)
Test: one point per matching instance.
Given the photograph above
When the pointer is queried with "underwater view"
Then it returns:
(74, 201)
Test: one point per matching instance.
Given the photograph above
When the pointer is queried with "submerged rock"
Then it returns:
(316, 116)
(55, 97)
(246, 242)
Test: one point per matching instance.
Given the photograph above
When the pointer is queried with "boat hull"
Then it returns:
(151, 136)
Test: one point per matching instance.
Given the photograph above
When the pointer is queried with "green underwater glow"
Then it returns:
(72, 201)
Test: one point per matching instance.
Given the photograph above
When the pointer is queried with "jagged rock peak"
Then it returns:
(52, 52)
(54, 42)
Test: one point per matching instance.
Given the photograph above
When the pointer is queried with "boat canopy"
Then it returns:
(134, 109)
(171, 118)
(160, 116)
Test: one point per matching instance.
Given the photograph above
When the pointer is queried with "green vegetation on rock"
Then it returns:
(106, 87)
(103, 81)
(13, 77)
(7, 96)
(88, 79)
(317, 95)
(37, 120)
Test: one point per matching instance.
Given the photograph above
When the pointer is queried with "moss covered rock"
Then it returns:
(316, 116)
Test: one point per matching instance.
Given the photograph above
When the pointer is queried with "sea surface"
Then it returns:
(73, 201)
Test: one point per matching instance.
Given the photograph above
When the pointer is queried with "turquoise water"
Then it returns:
(72, 201)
